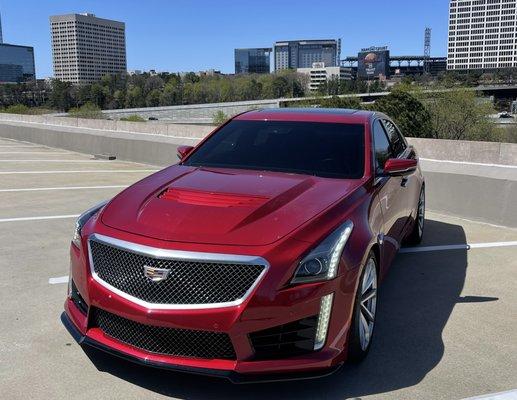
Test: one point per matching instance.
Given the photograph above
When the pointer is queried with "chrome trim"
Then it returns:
(175, 255)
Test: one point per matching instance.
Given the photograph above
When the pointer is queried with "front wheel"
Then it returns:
(363, 320)
(417, 233)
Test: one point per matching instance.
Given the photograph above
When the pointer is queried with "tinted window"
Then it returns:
(321, 149)
(396, 140)
(382, 147)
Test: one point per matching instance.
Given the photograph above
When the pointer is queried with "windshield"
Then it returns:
(313, 148)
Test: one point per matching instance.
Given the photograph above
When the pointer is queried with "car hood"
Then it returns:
(221, 206)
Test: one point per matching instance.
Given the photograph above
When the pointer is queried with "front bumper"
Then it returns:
(232, 376)
(267, 307)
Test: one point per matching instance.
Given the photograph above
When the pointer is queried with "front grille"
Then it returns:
(284, 341)
(165, 341)
(188, 282)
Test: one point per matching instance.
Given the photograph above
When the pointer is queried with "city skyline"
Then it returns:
(210, 43)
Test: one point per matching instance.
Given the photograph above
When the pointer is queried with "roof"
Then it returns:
(331, 115)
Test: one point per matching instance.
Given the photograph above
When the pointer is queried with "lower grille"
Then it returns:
(165, 341)
(284, 341)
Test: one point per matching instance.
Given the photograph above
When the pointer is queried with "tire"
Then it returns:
(363, 320)
(417, 233)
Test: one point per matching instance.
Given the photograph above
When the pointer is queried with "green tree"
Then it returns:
(60, 97)
(459, 114)
(153, 98)
(407, 111)
(341, 102)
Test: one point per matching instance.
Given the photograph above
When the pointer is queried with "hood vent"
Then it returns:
(211, 199)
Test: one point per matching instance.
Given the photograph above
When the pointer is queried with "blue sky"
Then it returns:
(181, 35)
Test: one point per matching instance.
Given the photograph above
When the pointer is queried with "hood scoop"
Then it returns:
(211, 199)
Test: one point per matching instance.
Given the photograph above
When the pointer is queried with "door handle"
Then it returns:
(404, 182)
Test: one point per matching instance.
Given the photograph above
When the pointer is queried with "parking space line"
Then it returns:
(22, 146)
(90, 171)
(468, 163)
(35, 152)
(509, 395)
(55, 161)
(61, 188)
(58, 280)
(457, 247)
(21, 219)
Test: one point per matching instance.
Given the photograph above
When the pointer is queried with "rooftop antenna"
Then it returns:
(427, 50)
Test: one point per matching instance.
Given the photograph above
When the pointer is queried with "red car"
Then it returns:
(259, 255)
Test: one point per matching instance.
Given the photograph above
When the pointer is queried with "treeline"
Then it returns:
(145, 90)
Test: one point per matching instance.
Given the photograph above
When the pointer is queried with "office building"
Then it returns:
(303, 53)
(319, 74)
(252, 61)
(482, 34)
(16, 63)
(85, 48)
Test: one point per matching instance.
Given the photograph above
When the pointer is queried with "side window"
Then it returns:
(397, 141)
(381, 146)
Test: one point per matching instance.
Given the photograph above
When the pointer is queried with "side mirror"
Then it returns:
(399, 167)
(184, 151)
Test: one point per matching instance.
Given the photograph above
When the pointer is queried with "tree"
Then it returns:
(60, 97)
(153, 98)
(407, 111)
(341, 102)
(459, 114)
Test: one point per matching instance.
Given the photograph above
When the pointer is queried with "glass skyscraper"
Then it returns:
(252, 61)
(16, 63)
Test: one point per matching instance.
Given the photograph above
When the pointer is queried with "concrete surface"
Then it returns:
(446, 327)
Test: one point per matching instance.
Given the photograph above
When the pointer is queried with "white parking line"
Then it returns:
(15, 146)
(468, 163)
(90, 171)
(509, 395)
(55, 161)
(61, 188)
(457, 247)
(35, 152)
(58, 280)
(21, 219)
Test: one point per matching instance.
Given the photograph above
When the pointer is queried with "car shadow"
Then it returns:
(415, 303)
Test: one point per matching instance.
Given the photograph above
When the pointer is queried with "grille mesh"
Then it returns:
(189, 282)
(166, 341)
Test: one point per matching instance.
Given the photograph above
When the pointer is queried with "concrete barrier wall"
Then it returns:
(466, 151)
(489, 197)
(154, 128)
(148, 149)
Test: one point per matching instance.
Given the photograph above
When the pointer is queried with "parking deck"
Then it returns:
(447, 313)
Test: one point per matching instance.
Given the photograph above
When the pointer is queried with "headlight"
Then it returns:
(323, 261)
(83, 219)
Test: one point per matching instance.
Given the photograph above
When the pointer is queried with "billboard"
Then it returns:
(373, 62)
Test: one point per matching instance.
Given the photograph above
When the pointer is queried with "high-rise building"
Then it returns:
(85, 48)
(252, 61)
(16, 63)
(482, 34)
(303, 53)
